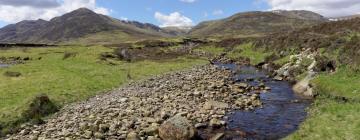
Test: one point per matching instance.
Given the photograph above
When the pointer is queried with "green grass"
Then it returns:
(247, 50)
(74, 79)
(283, 60)
(107, 37)
(329, 117)
(330, 120)
(211, 50)
(344, 83)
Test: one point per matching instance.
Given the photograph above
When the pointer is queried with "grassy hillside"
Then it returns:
(251, 24)
(77, 25)
(75, 78)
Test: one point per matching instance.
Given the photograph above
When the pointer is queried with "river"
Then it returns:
(282, 112)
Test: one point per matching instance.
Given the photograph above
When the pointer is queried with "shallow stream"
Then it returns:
(281, 114)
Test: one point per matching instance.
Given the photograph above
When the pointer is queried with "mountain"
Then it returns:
(177, 31)
(82, 25)
(257, 23)
(331, 38)
(301, 14)
(344, 17)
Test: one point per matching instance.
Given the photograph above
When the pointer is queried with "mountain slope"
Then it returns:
(74, 26)
(257, 23)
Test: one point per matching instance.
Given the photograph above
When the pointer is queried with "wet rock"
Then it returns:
(216, 123)
(176, 128)
(278, 78)
(200, 125)
(218, 136)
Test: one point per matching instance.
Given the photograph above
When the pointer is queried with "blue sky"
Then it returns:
(167, 12)
(197, 11)
(144, 10)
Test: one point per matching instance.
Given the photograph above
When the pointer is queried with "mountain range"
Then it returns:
(86, 26)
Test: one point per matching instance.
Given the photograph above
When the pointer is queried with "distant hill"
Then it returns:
(257, 23)
(345, 17)
(176, 31)
(337, 37)
(82, 25)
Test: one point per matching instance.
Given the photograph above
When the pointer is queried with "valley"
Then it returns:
(254, 75)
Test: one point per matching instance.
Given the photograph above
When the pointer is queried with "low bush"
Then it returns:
(12, 74)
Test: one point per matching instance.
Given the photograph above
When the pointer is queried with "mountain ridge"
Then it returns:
(257, 23)
(74, 25)
(85, 26)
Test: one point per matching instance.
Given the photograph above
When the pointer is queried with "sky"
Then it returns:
(167, 12)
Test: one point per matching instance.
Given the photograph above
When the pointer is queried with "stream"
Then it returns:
(282, 112)
(4, 65)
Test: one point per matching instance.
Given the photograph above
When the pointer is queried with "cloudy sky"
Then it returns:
(167, 12)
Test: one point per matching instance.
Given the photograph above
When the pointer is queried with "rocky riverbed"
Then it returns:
(202, 96)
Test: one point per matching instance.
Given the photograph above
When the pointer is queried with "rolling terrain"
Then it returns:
(81, 23)
(119, 89)
(83, 26)
(257, 23)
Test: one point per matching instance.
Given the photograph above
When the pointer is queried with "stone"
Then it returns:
(216, 123)
(99, 135)
(104, 127)
(88, 134)
(164, 115)
(267, 88)
(151, 130)
(200, 125)
(278, 78)
(215, 105)
(218, 136)
(242, 85)
(132, 136)
(177, 128)
(152, 138)
(123, 100)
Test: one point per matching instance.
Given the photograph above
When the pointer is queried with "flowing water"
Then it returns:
(3, 65)
(281, 114)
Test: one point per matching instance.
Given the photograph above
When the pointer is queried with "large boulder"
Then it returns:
(177, 128)
(304, 87)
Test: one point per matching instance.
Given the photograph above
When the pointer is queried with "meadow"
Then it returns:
(69, 74)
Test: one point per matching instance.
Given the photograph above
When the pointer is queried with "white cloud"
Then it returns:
(124, 18)
(188, 1)
(15, 12)
(34, 3)
(218, 12)
(329, 8)
(206, 14)
(174, 19)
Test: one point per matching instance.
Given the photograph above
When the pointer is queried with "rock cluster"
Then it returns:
(199, 97)
(297, 66)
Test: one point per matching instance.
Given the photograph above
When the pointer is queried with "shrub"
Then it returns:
(40, 106)
(12, 74)
(123, 54)
(69, 54)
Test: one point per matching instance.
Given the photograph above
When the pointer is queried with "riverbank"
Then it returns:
(334, 113)
(70, 74)
(203, 95)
